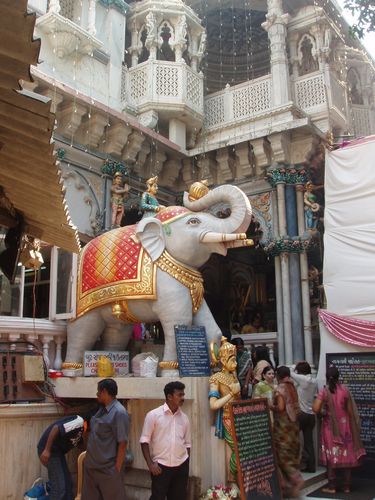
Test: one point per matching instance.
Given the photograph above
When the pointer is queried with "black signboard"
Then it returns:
(256, 461)
(357, 371)
(192, 351)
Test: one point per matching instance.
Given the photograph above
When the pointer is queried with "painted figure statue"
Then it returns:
(224, 389)
(311, 207)
(118, 192)
(149, 273)
(149, 202)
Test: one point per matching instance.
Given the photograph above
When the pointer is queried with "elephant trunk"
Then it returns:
(240, 207)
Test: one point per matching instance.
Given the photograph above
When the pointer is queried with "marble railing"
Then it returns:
(48, 336)
(161, 83)
(315, 91)
(361, 120)
(267, 339)
(240, 102)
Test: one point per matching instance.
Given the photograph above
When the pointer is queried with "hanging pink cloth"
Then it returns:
(137, 331)
(353, 331)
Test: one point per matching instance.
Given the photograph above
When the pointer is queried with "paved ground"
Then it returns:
(363, 489)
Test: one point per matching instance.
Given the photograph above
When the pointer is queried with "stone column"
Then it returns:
(91, 18)
(279, 180)
(276, 26)
(306, 313)
(294, 277)
(177, 132)
(54, 6)
(279, 289)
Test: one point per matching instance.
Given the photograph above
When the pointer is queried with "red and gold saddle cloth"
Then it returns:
(115, 267)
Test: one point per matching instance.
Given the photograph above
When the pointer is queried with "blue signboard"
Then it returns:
(192, 351)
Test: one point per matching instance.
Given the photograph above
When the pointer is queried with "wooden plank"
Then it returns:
(26, 117)
(35, 106)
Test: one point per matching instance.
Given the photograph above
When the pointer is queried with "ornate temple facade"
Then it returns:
(229, 91)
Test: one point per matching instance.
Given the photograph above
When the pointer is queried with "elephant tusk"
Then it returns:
(239, 243)
(222, 237)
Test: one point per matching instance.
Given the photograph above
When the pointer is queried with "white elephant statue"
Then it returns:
(149, 273)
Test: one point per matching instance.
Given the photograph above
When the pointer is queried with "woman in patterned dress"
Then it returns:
(341, 446)
(286, 433)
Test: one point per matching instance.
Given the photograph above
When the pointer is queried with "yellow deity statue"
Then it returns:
(224, 389)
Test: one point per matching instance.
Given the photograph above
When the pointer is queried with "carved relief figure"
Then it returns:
(224, 389)
(354, 87)
(117, 199)
(151, 28)
(311, 207)
(202, 45)
(308, 63)
(181, 31)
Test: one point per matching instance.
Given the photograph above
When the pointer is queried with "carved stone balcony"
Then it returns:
(169, 88)
(65, 36)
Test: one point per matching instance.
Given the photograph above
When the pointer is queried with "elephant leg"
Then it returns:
(204, 318)
(116, 337)
(82, 334)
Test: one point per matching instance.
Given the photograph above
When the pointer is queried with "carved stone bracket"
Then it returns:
(243, 166)
(91, 130)
(261, 159)
(280, 144)
(170, 173)
(135, 141)
(225, 166)
(65, 36)
(116, 136)
(69, 118)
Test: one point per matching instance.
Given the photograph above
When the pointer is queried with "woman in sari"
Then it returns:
(286, 433)
(265, 388)
(341, 446)
(244, 366)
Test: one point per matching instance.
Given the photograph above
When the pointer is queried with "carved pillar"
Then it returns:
(304, 266)
(91, 18)
(69, 118)
(54, 6)
(225, 166)
(243, 167)
(278, 179)
(46, 339)
(58, 359)
(276, 26)
(132, 148)
(116, 136)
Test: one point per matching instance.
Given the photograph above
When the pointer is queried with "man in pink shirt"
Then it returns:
(166, 443)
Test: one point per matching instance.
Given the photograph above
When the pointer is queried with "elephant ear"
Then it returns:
(150, 233)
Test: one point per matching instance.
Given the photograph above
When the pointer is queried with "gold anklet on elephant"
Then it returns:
(168, 365)
(70, 366)
(188, 276)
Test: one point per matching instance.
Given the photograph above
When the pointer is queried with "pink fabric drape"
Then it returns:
(354, 331)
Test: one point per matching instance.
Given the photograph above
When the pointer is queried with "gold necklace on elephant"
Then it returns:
(187, 276)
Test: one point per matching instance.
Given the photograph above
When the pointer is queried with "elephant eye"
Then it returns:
(194, 221)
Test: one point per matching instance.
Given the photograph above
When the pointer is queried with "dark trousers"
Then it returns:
(106, 484)
(307, 424)
(59, 478)
(171, 483)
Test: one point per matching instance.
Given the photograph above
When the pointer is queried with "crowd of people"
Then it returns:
(295, 403)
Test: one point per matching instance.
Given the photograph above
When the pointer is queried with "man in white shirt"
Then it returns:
(166, 444)
(307, 388)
